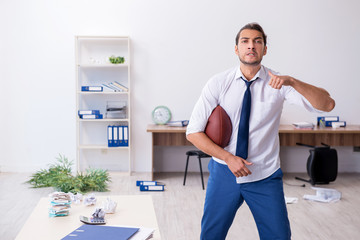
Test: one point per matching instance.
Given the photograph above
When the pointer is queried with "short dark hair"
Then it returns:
(252, 26)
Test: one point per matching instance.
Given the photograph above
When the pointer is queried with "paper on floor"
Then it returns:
(291, 199)
(324, 195)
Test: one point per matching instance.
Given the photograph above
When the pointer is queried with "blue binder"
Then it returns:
(121, 136)
(91, 88)
(327, 120)
(91, 116)
(94, 232)
(151, 188)
(126, 135)
(83, 112)
(110, 136)
(116, 136)
(148, 183)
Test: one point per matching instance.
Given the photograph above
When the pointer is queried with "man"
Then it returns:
(249, 170)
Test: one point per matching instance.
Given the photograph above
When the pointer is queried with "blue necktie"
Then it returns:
(243, 132)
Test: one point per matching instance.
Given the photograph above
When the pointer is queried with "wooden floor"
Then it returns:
(179, 208)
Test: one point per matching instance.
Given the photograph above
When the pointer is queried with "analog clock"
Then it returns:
(161, 115)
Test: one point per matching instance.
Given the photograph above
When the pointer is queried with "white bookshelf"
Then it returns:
(94, 69)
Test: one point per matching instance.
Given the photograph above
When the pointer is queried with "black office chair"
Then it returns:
(200, 155)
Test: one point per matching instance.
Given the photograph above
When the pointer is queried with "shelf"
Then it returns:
(92, 68)
(123, 65)
(105, 93)
(105, 120)
(101, 147)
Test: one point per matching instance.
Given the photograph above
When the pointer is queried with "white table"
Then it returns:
(132, 210)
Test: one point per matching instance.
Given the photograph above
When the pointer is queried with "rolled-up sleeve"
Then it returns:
(294, 97)
(208, 100)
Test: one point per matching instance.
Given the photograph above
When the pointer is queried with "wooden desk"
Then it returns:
(136, 210)
(349, 136)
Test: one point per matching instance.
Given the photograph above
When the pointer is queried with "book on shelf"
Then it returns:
(303, 125)
(115, 87)
(91, 88)
(109, 88)
(119, 85)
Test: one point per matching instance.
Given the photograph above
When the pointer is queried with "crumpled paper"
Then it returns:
(324, 195)
(90, 200)
(76, 198)
(109, 206)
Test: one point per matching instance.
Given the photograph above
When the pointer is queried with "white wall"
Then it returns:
(176, 47)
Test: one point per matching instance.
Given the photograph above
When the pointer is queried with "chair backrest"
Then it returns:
(322, 165)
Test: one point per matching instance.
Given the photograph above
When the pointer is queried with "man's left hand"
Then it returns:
(277, 81)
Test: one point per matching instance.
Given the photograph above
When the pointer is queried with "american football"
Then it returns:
(219, 127)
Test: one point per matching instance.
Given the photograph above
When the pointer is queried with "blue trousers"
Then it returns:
(224, 196)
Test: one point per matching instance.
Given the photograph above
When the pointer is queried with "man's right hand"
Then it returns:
(237, 166)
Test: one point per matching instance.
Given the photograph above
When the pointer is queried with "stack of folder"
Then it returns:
(330, 121)
(90, 114)
(150, 186)
(118, 136)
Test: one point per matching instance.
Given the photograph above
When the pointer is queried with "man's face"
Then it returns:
(250, 48)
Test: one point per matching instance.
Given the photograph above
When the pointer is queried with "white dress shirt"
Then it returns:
(227, 90)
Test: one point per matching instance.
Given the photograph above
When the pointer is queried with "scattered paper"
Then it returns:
(90, 200)
(109, 206)
(76, 198)
(290, 200)
(324, 195)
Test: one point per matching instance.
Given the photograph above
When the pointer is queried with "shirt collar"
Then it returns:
(261, 74)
